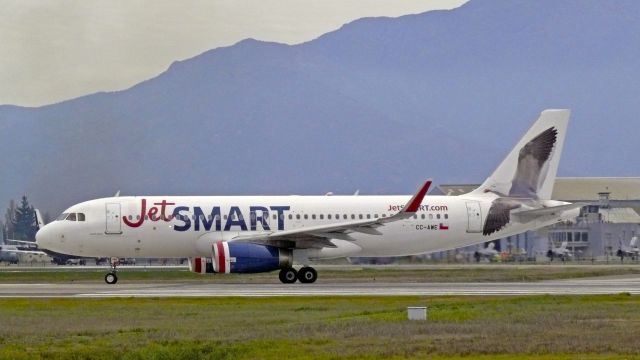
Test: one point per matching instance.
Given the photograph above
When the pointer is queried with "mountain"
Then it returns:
(378, 105)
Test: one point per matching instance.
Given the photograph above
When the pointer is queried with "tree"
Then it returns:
(9, 218)
(24, 223)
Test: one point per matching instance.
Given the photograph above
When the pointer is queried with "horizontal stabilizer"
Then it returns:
(526, 216)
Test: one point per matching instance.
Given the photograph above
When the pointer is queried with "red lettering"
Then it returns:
(152, 213)
(163, 207)
(140, 220)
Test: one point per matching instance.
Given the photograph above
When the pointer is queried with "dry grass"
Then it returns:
(340, 327)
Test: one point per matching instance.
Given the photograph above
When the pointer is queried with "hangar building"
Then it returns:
(609, 219)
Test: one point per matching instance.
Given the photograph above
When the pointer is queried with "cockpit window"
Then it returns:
(62, 216)
(81, 217)
(71, 217)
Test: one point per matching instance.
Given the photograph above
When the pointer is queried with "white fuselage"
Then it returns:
(170, 226)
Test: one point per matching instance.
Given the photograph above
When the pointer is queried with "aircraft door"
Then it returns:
(474, 216)
(113, 222)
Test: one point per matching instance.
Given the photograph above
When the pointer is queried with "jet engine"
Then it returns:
(241, 257)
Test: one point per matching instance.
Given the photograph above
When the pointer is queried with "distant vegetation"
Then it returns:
(19, 221)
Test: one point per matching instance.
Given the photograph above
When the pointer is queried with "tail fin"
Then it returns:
(634, 242)
(563, 245)
(530, 168)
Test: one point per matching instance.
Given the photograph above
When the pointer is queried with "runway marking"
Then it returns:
(101, 290)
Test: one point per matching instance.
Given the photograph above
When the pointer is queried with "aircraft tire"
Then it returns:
(111, 278)
(288, 275)
(307, 275)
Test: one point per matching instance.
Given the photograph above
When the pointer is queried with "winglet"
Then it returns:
(414, 204)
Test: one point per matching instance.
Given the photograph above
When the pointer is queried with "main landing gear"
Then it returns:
(305, 275)
(111, 277)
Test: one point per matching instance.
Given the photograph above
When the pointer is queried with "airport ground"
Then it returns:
(370, 327)
(327, 273)
(325, 326)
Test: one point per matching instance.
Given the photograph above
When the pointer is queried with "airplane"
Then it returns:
(561, 252)
(488, 252)
(56, 258)
(631, 251)
(12, 254)
(251, 234)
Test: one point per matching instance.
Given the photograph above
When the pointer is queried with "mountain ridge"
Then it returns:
(378, 105)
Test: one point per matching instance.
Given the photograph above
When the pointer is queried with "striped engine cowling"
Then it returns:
(240, 257)
(200, 265)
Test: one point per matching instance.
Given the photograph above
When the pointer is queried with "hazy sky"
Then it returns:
(53, 50)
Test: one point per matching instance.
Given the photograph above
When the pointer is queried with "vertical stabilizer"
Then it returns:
(529, 171)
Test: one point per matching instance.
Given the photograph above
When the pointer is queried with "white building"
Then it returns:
(611, 218)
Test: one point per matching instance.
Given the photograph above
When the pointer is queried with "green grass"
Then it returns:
(347, 274)
(541, 327)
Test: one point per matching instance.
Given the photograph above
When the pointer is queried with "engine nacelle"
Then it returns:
(241, 257)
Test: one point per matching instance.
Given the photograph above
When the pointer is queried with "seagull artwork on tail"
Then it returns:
(531, 169)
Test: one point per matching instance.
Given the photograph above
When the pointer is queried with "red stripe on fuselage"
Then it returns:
(221, 259)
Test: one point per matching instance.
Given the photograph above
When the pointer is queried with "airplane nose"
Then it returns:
(43, 238)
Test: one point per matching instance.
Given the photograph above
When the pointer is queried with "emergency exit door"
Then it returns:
(113, 220)
(474, 216)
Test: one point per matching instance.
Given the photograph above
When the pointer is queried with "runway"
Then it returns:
(101, 290)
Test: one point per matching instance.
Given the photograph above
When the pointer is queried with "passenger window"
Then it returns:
(297, 216)
(384, 215)
(321, 217)
(353, 216)
(275, 217)
(368, 216)
(226, 216)
(81, 217)
(329, 216)
(438, 216)
(306, 216)
(446, 216)
(422, 216)
(344, 216)
(290, 217)
(360, 216)
(415, 216)
(375, 216)
(71, 217)
(430, 216)
(137, 217)
(313, 216)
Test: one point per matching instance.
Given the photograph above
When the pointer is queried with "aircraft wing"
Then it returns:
(23, 242)
(528, 215)
(32, 252)
(320, 236)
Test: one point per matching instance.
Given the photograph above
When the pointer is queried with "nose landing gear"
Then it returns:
(111, 277)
